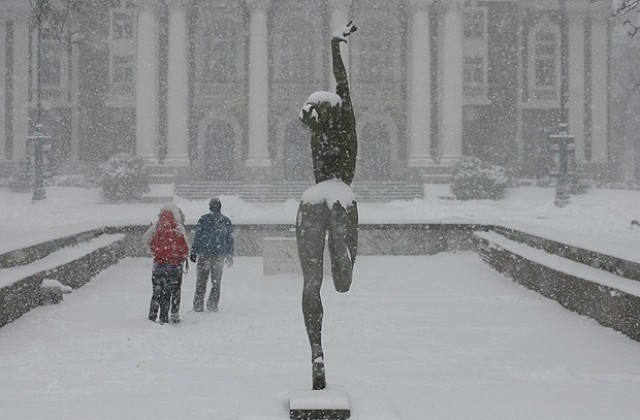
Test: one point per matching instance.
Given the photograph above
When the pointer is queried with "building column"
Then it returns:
(599, 83)
(74, 152)
(576, 12)
(177, 85)
(147, 121)
(3, 88)
(258, 163)
(419, 115)
(20, 85)
(450, 143)
(339, 19)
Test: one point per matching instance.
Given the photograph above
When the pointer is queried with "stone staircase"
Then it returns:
(282, 191)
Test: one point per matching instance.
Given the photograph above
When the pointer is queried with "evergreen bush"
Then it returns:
(475, 179)
(123, 177)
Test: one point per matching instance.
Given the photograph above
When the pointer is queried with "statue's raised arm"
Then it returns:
(339, 71)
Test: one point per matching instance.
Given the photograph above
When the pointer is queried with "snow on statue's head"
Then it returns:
(320, 108)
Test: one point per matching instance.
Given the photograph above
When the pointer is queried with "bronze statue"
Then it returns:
(328, 208)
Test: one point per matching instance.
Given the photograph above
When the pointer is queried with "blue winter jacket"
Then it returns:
(214, 236)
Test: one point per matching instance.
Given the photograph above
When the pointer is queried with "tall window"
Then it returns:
(122, 24)
(474, 77)
(376, 50)
(122, 52)
(544, 62)
(51, 65)
(474, 23)
(475, 51)
(218, 52)
(375, 158)
(219, 151)
(297, 165)
(297, 51)
(51, 75)
(298, 40)
(123, 69)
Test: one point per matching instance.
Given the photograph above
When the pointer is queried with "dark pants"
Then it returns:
(167, 281)
(208, 265)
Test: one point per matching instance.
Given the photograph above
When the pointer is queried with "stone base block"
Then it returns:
(332, 403)
(275, 409)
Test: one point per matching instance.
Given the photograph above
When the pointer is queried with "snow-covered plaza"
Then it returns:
(442, 336)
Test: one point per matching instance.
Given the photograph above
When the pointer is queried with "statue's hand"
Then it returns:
(345, 32)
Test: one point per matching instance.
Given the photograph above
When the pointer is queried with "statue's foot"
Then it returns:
(319, 381)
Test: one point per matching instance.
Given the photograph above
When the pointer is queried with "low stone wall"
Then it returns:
(373, 239)
(608, 263)
(24, 295)
(29, 254)
(608, 306)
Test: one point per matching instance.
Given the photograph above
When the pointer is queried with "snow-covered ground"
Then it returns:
(442, 337)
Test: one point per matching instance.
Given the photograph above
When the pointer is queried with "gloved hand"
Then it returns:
(229, 261)
(192, 257)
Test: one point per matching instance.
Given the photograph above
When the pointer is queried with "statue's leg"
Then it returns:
(310, 233)
(343, 244)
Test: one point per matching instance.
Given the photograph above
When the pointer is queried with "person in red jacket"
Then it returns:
(170, 249)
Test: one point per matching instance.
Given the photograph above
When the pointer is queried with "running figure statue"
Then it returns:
(329, 207)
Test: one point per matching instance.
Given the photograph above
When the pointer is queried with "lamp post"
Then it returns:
(562, 147)
(38, 141)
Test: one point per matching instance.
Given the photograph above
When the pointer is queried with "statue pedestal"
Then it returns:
(276, 409)
(332, 403)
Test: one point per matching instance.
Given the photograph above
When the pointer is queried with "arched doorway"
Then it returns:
(374, 149)
(297, 153)
(219, 152)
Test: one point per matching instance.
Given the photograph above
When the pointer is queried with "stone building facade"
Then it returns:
(212, 89)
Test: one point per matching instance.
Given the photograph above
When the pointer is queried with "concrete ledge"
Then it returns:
(612, 301)
(29, 254)
(23, 295)
(608, 263)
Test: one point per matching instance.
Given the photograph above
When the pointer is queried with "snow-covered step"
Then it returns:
(20, 286)
(282, 191)
(613, 264)
(35, 252)
(610, 299)
(56, 259)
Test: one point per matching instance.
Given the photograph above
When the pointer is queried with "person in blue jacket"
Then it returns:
(212, 247)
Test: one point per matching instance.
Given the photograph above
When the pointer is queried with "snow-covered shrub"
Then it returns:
(475, 179)
(123, 177)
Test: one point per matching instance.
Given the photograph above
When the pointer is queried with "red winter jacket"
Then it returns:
(168, 244)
